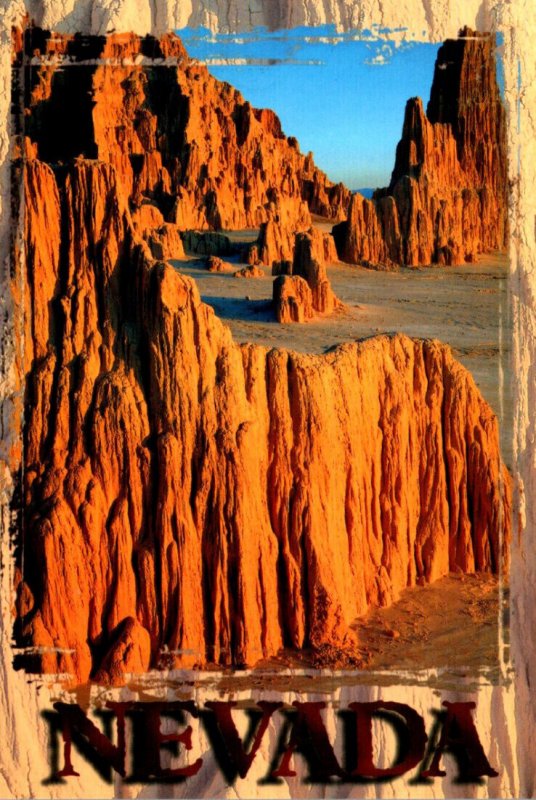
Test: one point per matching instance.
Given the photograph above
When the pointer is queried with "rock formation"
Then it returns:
(165, 242)
(275, 245)
(187, 495)
(249, 272)
(210, 243)
(447, 200)
(293, 302)
(311, 252)
(292, 299)
(189, 144)
(216, 264)
(216, 499)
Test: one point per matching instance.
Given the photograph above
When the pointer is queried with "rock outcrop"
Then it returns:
(447, 200)
(178, 138)
(165, 242)
(217, 264)
(216, 500)
(185, 497)
(292, 301)
(312, 250)
(249, 272)
(207, 244)
(276, 242)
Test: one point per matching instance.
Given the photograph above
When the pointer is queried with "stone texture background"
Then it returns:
(505, 716)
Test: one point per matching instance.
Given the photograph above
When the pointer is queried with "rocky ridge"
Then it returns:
(189, 152)
(179, 139)
(447, 200)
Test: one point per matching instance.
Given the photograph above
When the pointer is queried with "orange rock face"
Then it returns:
(292, 301)
(311, 251)
(228, 499)
(179, 138)
(165, 242)
(447, 199)
(275, 246)
(187, 495)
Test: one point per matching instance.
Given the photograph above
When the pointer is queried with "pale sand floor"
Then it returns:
(466, 307)
(446, 632)
(428, 626)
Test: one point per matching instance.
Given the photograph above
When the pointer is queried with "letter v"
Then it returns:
(235, 756)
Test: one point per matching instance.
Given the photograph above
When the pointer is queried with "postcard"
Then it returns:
(266, 417)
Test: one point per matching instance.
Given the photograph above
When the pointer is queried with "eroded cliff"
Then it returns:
(188, 500)
(187, 495)
(447, 200)
(179, 139)
(189, 152)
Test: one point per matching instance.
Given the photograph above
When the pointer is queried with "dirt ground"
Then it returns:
(447, 634)
(452, 624)
(422, 630)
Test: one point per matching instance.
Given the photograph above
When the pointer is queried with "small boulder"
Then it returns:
(249, 272)
(216, 264)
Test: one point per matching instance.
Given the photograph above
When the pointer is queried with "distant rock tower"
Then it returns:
(447, 200)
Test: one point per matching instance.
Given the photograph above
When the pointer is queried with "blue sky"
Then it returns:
(345, 102)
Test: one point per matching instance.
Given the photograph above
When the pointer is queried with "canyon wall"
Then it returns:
(447, 200)
(180, 140)
(188, 500)
(192, 149)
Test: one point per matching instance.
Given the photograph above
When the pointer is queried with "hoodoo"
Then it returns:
(447, 200)
(184, 494)
(303, 287)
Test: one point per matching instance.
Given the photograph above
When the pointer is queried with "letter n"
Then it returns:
(74, 721)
